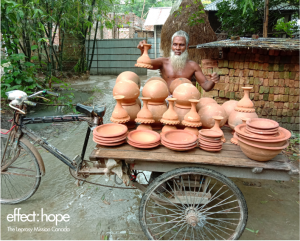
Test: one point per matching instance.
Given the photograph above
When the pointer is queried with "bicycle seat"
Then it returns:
(88, 110)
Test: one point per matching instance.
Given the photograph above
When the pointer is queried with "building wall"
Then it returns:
(274, 76)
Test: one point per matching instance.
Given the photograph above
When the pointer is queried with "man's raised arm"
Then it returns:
(207, 85)
(156, 63)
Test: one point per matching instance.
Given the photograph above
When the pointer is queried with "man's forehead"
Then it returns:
(179, 39)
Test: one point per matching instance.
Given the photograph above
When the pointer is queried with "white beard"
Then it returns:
(178, 61)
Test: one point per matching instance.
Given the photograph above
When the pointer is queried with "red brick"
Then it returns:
(261, 81)
(270, 75)
(251, 72)
(260, 74)
(225, 63)
(296, 68)
(241, 74)
(266, 82)
(297, 76)
(271, 97)
(251, 65)
(265, 66)
(246, 65)
(276, 75)
(265, 75)
(241, 65)
(242, 80)
(226, 79)
(236, 64)
(266, 58)
(276, 67)
(286, 67)
(280, 105)
(255, 73)
(231, 64)
(286, 75)
(222, 79)
(281, 90)
(257, 57)
(260, 66)
(236, 80)
(255, 66)
(245, 72)
(271, 82)
(296, 84)
(276, 90)
(231, 72)
(277, 60)
(236, 87)
(281, 83)
(292, 75)
(256, 88)
(286, 82)
(291, 83)
(292, 91)
(236, 72)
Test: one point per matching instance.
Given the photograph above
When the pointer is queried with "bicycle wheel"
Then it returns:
(196, 203)
(21, 179)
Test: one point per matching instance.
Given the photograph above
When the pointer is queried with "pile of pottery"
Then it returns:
(210, 140)
(110, 134)
(143, 139)
(261, 139)
(179, 140)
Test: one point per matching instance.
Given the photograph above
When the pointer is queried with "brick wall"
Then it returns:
(273, 74)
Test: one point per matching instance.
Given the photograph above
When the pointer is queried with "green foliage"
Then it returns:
(288, 27)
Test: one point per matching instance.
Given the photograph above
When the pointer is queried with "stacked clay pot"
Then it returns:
(210, 140)
(156, 78)
(170, 117)
(158, 92)
(131, 92)
(229, 107)
(110, 134)
(261, 139)
(207, 113)
(192, 120)
(244, 108)
(144, 61)
(144, 116)
(143, 139)
(204, 101)
(179, 140)
(177, 82)
(129, 75)
(183, 93)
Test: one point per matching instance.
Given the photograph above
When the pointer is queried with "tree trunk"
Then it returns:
(95, 39)
(266, 19)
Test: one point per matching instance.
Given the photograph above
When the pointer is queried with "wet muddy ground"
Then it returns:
(104, 213)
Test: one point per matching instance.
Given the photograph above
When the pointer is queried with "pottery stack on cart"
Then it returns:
(110, 134)
(179, 140)
(143, 139)
(262, 139)
(210, 140)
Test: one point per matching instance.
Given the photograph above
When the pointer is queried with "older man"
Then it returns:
(178, 65)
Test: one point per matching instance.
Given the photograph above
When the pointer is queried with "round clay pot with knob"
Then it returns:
(177, 82)
(168, 128)
(144, 61)
(132, 111)
(183, 93)
(157, 78)
(229, 106)
(128, 89)
(206, 114)
(157, 112)
(144, 127)
(157, 91)
(129, 75)
(245, 104)
(235, 118)
(204, 101)
(181, 112)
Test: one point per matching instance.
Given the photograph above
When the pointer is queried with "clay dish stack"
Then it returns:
(261, 139)
(179, 140)
(143, 139)
(210, 140)
(110, 134)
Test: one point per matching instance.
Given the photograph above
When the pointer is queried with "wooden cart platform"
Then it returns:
(230, 161)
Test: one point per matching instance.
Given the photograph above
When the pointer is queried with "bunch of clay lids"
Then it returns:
(111, 134)
(210, 140)
(143, 139)
(179, 140)
(261, 139)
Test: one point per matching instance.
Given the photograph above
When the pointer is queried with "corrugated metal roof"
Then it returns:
(282, 6)
(157, 16)
(264, 43)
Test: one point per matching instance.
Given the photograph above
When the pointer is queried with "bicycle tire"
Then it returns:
(183, 210)
(21, 179)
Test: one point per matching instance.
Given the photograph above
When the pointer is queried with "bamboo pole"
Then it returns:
(266, 19)
(95, 39)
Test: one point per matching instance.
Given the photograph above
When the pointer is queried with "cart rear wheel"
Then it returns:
(193, 203)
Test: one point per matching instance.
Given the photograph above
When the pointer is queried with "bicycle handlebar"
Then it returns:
(27, 102)
(43, 92)
(52, 93)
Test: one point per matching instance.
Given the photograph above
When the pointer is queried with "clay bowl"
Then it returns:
(109, 144)
(209, 149)
(140, 144)
(177, 145)
(259, 153)
(110, 130)
(110, 140)
(263, 144)
(180, 137)
(260, 131)
(180, 149)
(143, 137)
(122, 137)
(263, 124)
(210, 133)
(146, 146)
(209, 144)
(210, 140)
(282, 135)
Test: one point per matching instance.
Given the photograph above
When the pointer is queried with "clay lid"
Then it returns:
(143, 136)
(110, 130)
(261, 131)
(109, 144)
(261, 123)
(181, 137)
(210, 133)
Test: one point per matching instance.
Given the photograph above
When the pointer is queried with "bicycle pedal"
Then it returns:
(77, 159)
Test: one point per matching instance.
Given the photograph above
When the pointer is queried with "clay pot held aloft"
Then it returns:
(177, 82)
(204, 101)
(216, 127)
(235, 118)
(129, 75)
(128, 89)
(245, 104)
(144, 116)
(183, 93)
(229, 106)
(170, 117)
(144, 61)
(157, 112)
(206, 114)
(157, 78)
(157, 91)
(192, 119)
(132, 111)
(119, 115)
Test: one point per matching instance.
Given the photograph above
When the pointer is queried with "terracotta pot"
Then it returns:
(180, 137)
(193, 130)
(110, 130)
(263, 124)
(206, 114)
(207, 139)
(157, 78)
(183, 93)
(204, 101)
(229, 106)
(259, 153)
(210, 145)
(109, 144)
(132, 111)
(192, 119)
(209, 133)
(180, 149)
(143, 146)
(216, 127)
(109, 140)
(210, 149)
(129, 75)
(176, 145)
(144, 127)
(244, 119)
(262, 144)
(181, 112)
(168, 128)
(144, 115)
(235, 118)
(128, 89)
(245, 104)
(170, 117)
(119, 115)
(144, 61)
(157, 112)
(138, 101)
(177, 82)
(262, 132)
(143, 137)
(157, 91)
